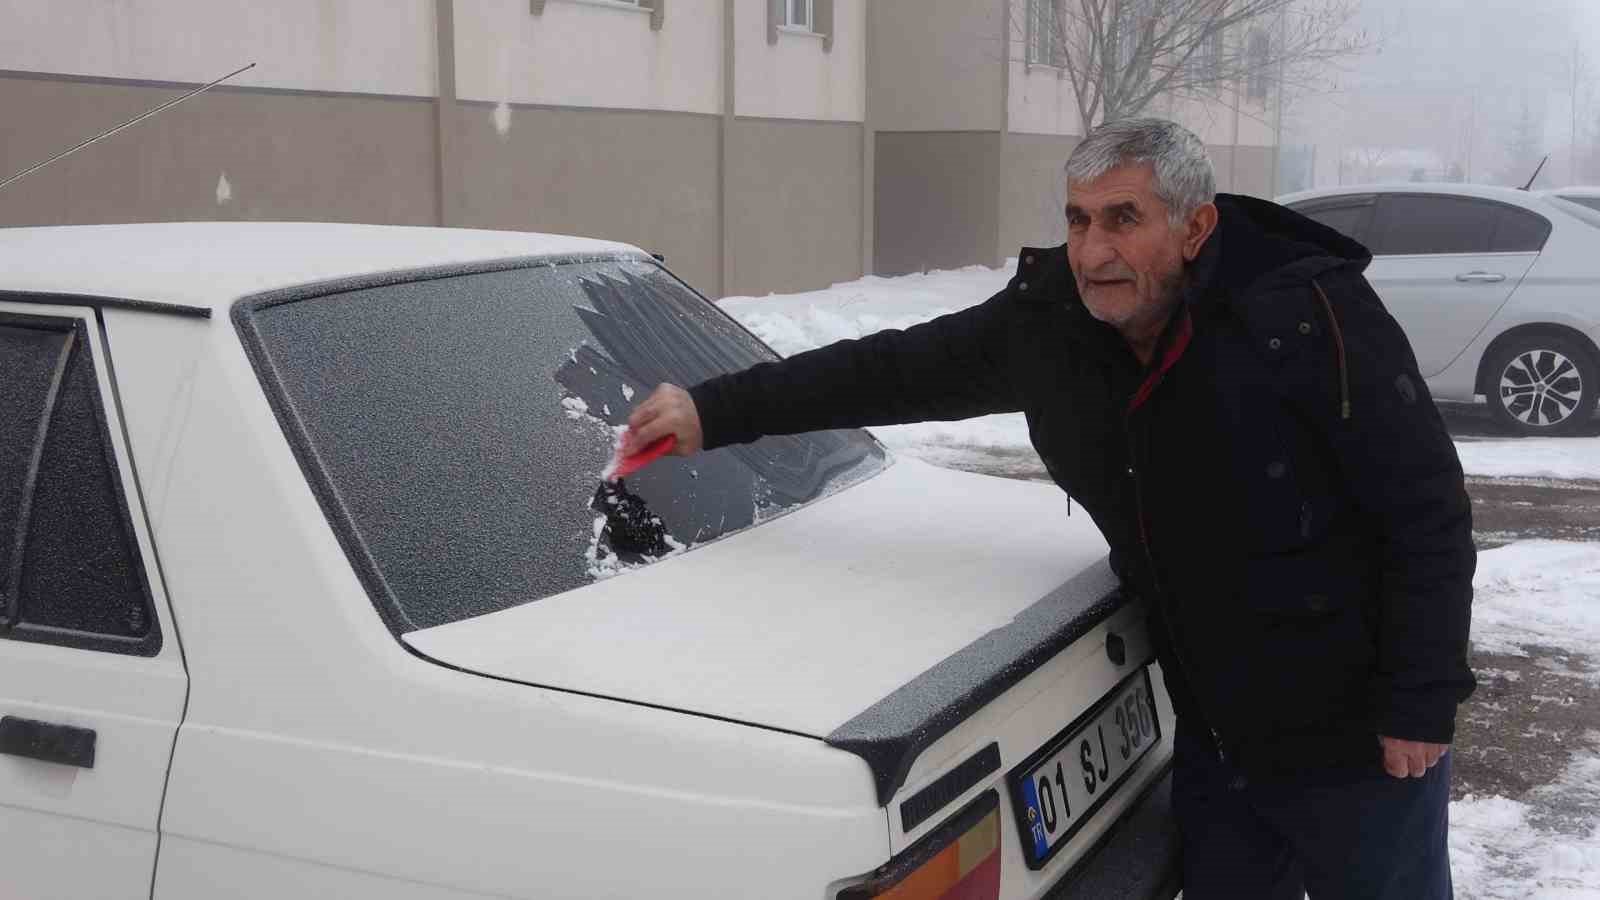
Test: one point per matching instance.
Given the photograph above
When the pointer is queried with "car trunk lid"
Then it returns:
(819, 622)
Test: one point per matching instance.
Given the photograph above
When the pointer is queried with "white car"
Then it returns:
(1587, 196)
(305, 594)
(1498, 290)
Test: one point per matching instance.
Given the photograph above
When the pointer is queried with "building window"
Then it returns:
(1134, 19)
(1045, 46)
(1259, 80)
(811, 16)
(799, 14)
(1205, 63)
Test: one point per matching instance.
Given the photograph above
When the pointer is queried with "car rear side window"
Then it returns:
(1349, 219)
(1519, 231)
(455, 429)
(1430, 224)
(70, 569)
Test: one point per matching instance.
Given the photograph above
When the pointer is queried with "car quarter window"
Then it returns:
(1350, 216)
(1412, 224)
(456, 428)
(1519, 231)
(70, 568)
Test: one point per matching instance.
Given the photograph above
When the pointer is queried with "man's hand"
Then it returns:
(1409, 759)
(668, 410)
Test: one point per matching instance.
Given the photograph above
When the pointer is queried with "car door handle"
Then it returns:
(1480, 277)
(63, 744)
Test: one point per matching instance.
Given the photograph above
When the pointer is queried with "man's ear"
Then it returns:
(1201, 223)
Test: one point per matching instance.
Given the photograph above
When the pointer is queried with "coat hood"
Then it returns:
(1259, 243)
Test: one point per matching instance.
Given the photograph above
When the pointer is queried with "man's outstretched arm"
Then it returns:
(952, 367)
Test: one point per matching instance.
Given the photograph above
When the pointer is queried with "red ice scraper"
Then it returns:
(621, 466)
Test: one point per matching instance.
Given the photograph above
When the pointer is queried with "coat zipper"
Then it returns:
(1155, 577)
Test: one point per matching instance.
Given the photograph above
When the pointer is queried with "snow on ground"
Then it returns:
(791, 323)
(1535, 593)
(1532, 457)
(1538, 592)
(1528, 593)
(1501, 848)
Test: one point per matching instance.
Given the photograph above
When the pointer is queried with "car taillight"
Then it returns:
(959, 860)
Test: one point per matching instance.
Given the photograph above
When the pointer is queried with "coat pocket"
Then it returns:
(1306, 617)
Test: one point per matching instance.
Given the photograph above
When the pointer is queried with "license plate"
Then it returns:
(1059, 788)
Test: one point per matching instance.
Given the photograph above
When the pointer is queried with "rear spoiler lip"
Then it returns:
(891, 733)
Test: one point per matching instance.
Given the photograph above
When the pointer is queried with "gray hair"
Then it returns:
(1184, 180)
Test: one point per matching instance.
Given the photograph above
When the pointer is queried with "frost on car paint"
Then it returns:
(456, 428)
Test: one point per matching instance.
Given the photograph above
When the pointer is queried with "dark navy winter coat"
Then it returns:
(1277, 483)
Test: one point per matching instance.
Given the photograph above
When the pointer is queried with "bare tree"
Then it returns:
(1120, 55)
(1367, 162)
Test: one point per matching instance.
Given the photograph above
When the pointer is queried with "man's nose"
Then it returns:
(1094, 251)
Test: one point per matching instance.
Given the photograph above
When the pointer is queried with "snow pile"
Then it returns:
(1537, 592)
(1532, 457)
(791, 323)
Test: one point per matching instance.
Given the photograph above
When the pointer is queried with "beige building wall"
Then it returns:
(937, 196)
(366, 46)
(580, 119)
(1033, 192)
(797, 78)
(239, 154)
(1041, 101)
(936, 65)
(591, 54)
(646, 178)
(794, 205)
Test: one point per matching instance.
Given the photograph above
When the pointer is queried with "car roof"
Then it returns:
(1481, 191)
(210, 264)
(1576, 190)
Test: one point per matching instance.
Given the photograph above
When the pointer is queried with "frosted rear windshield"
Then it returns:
(455, 429)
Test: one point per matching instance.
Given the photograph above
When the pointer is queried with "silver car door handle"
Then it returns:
(1481, 277)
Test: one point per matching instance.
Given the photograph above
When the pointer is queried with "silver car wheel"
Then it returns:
(1541, 387)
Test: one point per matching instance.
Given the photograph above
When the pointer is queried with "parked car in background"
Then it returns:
(1584, 195)
(306, 590)
(1498, 290)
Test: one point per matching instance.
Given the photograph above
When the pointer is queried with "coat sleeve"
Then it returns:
(952, 367)
(1400, 464)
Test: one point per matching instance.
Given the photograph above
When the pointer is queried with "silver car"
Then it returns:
(1583, 195)
(1498, 290)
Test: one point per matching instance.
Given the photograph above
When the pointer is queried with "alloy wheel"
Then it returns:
(1541, 388)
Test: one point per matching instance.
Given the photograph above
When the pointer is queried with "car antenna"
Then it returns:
(133, 121)
(1536, 172)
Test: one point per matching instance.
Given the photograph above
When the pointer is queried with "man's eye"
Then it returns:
(1127, 218)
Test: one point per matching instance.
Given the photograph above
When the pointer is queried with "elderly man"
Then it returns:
(1213, 379)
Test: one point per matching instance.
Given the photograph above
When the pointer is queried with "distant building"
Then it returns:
(761, 145)
(972, 129)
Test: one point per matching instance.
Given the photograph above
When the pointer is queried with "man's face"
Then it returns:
(1126, 255)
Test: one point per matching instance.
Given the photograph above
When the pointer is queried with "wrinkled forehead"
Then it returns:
(1121, 186)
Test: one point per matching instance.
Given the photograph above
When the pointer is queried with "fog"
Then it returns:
(1473, 90)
